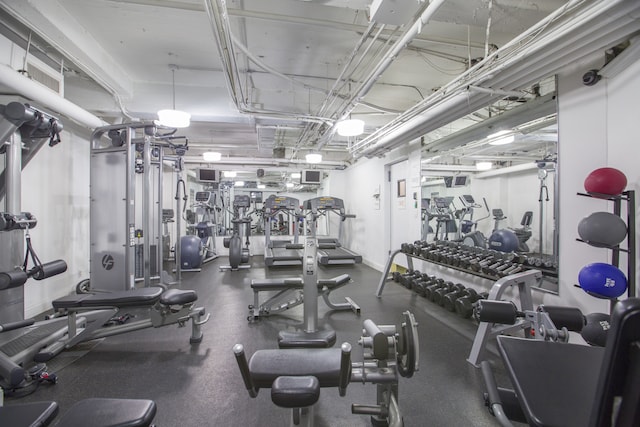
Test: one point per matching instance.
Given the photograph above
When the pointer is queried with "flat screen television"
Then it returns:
(460, 180)
(311, 177)
(208, 175)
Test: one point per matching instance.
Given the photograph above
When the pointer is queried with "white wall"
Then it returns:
(55, 188)
(597, 128)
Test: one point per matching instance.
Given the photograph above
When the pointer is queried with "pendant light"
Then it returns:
(174, 118)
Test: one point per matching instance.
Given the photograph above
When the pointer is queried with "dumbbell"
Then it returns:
(449, 299)
(479, 265)
(406, 279)
(430, 289)
(395, 276)
(515, 268)
(412, 281)
(438, 295)
(420, 285)
(464, 304)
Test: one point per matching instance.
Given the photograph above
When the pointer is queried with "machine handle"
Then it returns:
(238, 351)
(345, 368)
(4, 327)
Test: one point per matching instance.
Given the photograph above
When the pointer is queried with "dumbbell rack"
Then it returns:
(411, 256)
(630, 198)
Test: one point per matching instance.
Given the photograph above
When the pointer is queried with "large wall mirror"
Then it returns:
(495, 170)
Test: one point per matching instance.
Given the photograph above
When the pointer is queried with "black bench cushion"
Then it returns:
(34, 414)
(323, 338)
(555, 382)
(132, 298)
(295, 392)
(297, 283)
(178, 297)
(110, 413)
(324, 364)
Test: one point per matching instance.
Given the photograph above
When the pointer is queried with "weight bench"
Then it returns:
(94, 412)
(289, 294)
(571, 384)
(165, 308)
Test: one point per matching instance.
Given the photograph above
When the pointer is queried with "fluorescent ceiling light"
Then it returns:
(484, 166)
(261, 186)
(229, 174)
(295, 175)
(501, 137)
(289, 184)
(174, 118)
(239, 184)
(351, 127)
(211, 156)
(313, 157)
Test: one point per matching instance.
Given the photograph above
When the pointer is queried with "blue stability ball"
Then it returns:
(503, 241)
(190, 249)
(602, 280)
(602, 229)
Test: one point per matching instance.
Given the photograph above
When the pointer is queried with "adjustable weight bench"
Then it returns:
(169, 307)
(289, 294)
(100, 412)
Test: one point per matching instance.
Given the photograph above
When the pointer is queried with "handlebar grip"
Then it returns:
(12, 279)
(48, 269)
(5, 327)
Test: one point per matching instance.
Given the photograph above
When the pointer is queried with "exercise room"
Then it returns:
(319, 213)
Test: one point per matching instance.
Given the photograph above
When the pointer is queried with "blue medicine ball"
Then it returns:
(503, 241)
(602, 280)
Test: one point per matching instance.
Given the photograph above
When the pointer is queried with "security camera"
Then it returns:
(591, 77)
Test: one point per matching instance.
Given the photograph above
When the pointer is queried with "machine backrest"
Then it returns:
(618, 381)
(527, 218)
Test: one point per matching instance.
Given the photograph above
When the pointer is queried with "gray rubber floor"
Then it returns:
(200, 385)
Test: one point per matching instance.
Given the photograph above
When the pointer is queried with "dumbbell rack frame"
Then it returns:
(629, 197)
(410, 258)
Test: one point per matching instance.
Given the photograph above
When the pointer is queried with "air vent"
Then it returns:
(46, 78)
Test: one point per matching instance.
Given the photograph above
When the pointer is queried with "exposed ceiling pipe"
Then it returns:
(525, 59)
(46, 98)
(326, 164)
(381, 67)
(507, 170)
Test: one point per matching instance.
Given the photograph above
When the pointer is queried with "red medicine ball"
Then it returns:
(608, 181)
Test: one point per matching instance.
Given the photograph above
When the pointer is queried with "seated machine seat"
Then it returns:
(134, 298)
(324, 364)
(335, 282)
(94, 412)
(555, 382)
(110, 413)
(323, 338)
(295, 392)
(34, 414)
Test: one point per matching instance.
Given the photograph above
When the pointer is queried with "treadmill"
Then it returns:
(282, 252)
(330, 250)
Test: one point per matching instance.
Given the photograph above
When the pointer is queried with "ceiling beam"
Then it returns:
(63, 32)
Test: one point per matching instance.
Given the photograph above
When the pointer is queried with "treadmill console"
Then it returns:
(324, 203)
(468, 199)
(276, 203)
(441, 202)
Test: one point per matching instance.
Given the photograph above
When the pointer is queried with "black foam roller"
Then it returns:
(567, 317)
(502, 312)
(49, 269)
(12, 279)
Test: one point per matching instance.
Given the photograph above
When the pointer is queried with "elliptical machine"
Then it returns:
(471, 236)
(199, 246)
(238, 255)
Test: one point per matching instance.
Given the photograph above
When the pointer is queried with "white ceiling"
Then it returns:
(119, 57)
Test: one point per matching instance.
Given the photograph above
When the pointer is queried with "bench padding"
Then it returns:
(132, 298)
(295, 392)
(324, 364)
(28, 414)
(297, 283)
(110, 413)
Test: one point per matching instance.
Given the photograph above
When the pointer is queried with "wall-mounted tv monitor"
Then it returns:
(460, 180)
(208, 175)
(311, 177)
(256, 196)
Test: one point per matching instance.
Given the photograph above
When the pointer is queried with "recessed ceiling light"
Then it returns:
(313, 157)
(229, 174)
(484, 166)
(351, 127)
(211, 156)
